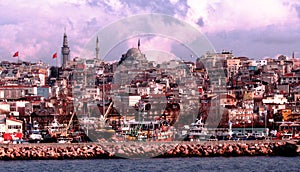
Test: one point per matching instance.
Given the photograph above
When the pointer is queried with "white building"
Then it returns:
(276, 99)
(10, 125)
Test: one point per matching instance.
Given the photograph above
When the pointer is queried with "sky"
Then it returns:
(252, 28)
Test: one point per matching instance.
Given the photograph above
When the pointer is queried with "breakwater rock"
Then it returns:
(234, 149)
(148, 149)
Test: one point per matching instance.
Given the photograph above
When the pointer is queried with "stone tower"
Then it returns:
(97, 48)
(65, 51)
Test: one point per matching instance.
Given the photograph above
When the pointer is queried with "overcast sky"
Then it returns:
(254, 28)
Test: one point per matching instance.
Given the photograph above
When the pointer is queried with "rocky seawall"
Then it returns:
(148, 149)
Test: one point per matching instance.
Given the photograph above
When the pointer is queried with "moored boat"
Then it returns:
(64, 139)
(198, 132)
(146, 130)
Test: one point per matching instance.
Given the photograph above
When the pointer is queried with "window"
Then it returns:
(14, 126)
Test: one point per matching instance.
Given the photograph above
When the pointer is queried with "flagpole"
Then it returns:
(17, 55)
(54, 56)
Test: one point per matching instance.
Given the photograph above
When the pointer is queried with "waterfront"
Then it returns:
(159, 164)
(148, 149)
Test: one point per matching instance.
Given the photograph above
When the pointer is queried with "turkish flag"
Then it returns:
(16, 54)
(54, 55)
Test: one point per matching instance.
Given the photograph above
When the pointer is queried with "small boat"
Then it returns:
(198, 132)
(35, 136)
(146, 130)
(55, 128)
(63, 139)
(101, 133)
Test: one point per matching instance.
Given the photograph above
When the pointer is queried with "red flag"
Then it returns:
(16, 54)
(54, 55)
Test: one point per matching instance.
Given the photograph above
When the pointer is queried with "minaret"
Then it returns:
(65, 51)
(139, 44)
(97, 48)
(293, 55)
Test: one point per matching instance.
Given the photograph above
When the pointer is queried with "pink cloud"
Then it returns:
(36, 28)
(231, 15)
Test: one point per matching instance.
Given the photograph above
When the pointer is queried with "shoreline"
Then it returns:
(117, 150)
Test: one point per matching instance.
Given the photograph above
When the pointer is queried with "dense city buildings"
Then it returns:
(222, 90)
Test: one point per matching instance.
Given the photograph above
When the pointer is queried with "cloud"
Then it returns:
(298, 11)
(257, 43)
(173, 2)
(152, 44)
(36, 28)
(200, 22)
(231, 15)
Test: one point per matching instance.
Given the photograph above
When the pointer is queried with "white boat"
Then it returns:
(35, 136)
(198, 132)
(63, 139)
(55, 128)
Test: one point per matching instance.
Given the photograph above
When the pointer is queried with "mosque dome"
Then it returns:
(132, 52)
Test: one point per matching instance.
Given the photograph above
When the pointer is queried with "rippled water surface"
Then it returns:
(170, 164)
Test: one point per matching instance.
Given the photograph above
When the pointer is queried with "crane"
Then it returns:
(102, 122)
(65, 133)
(108, 110)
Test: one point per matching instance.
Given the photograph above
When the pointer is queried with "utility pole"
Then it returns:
(103, 101)
(265, 122)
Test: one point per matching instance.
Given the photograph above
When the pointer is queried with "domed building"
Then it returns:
(133, 52)
(130, 65)
(133, 56)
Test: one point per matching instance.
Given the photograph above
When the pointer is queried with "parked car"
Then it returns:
(241, 136)
(258, 136)
(287, 136)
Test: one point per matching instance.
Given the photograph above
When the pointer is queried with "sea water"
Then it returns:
(158, 164)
